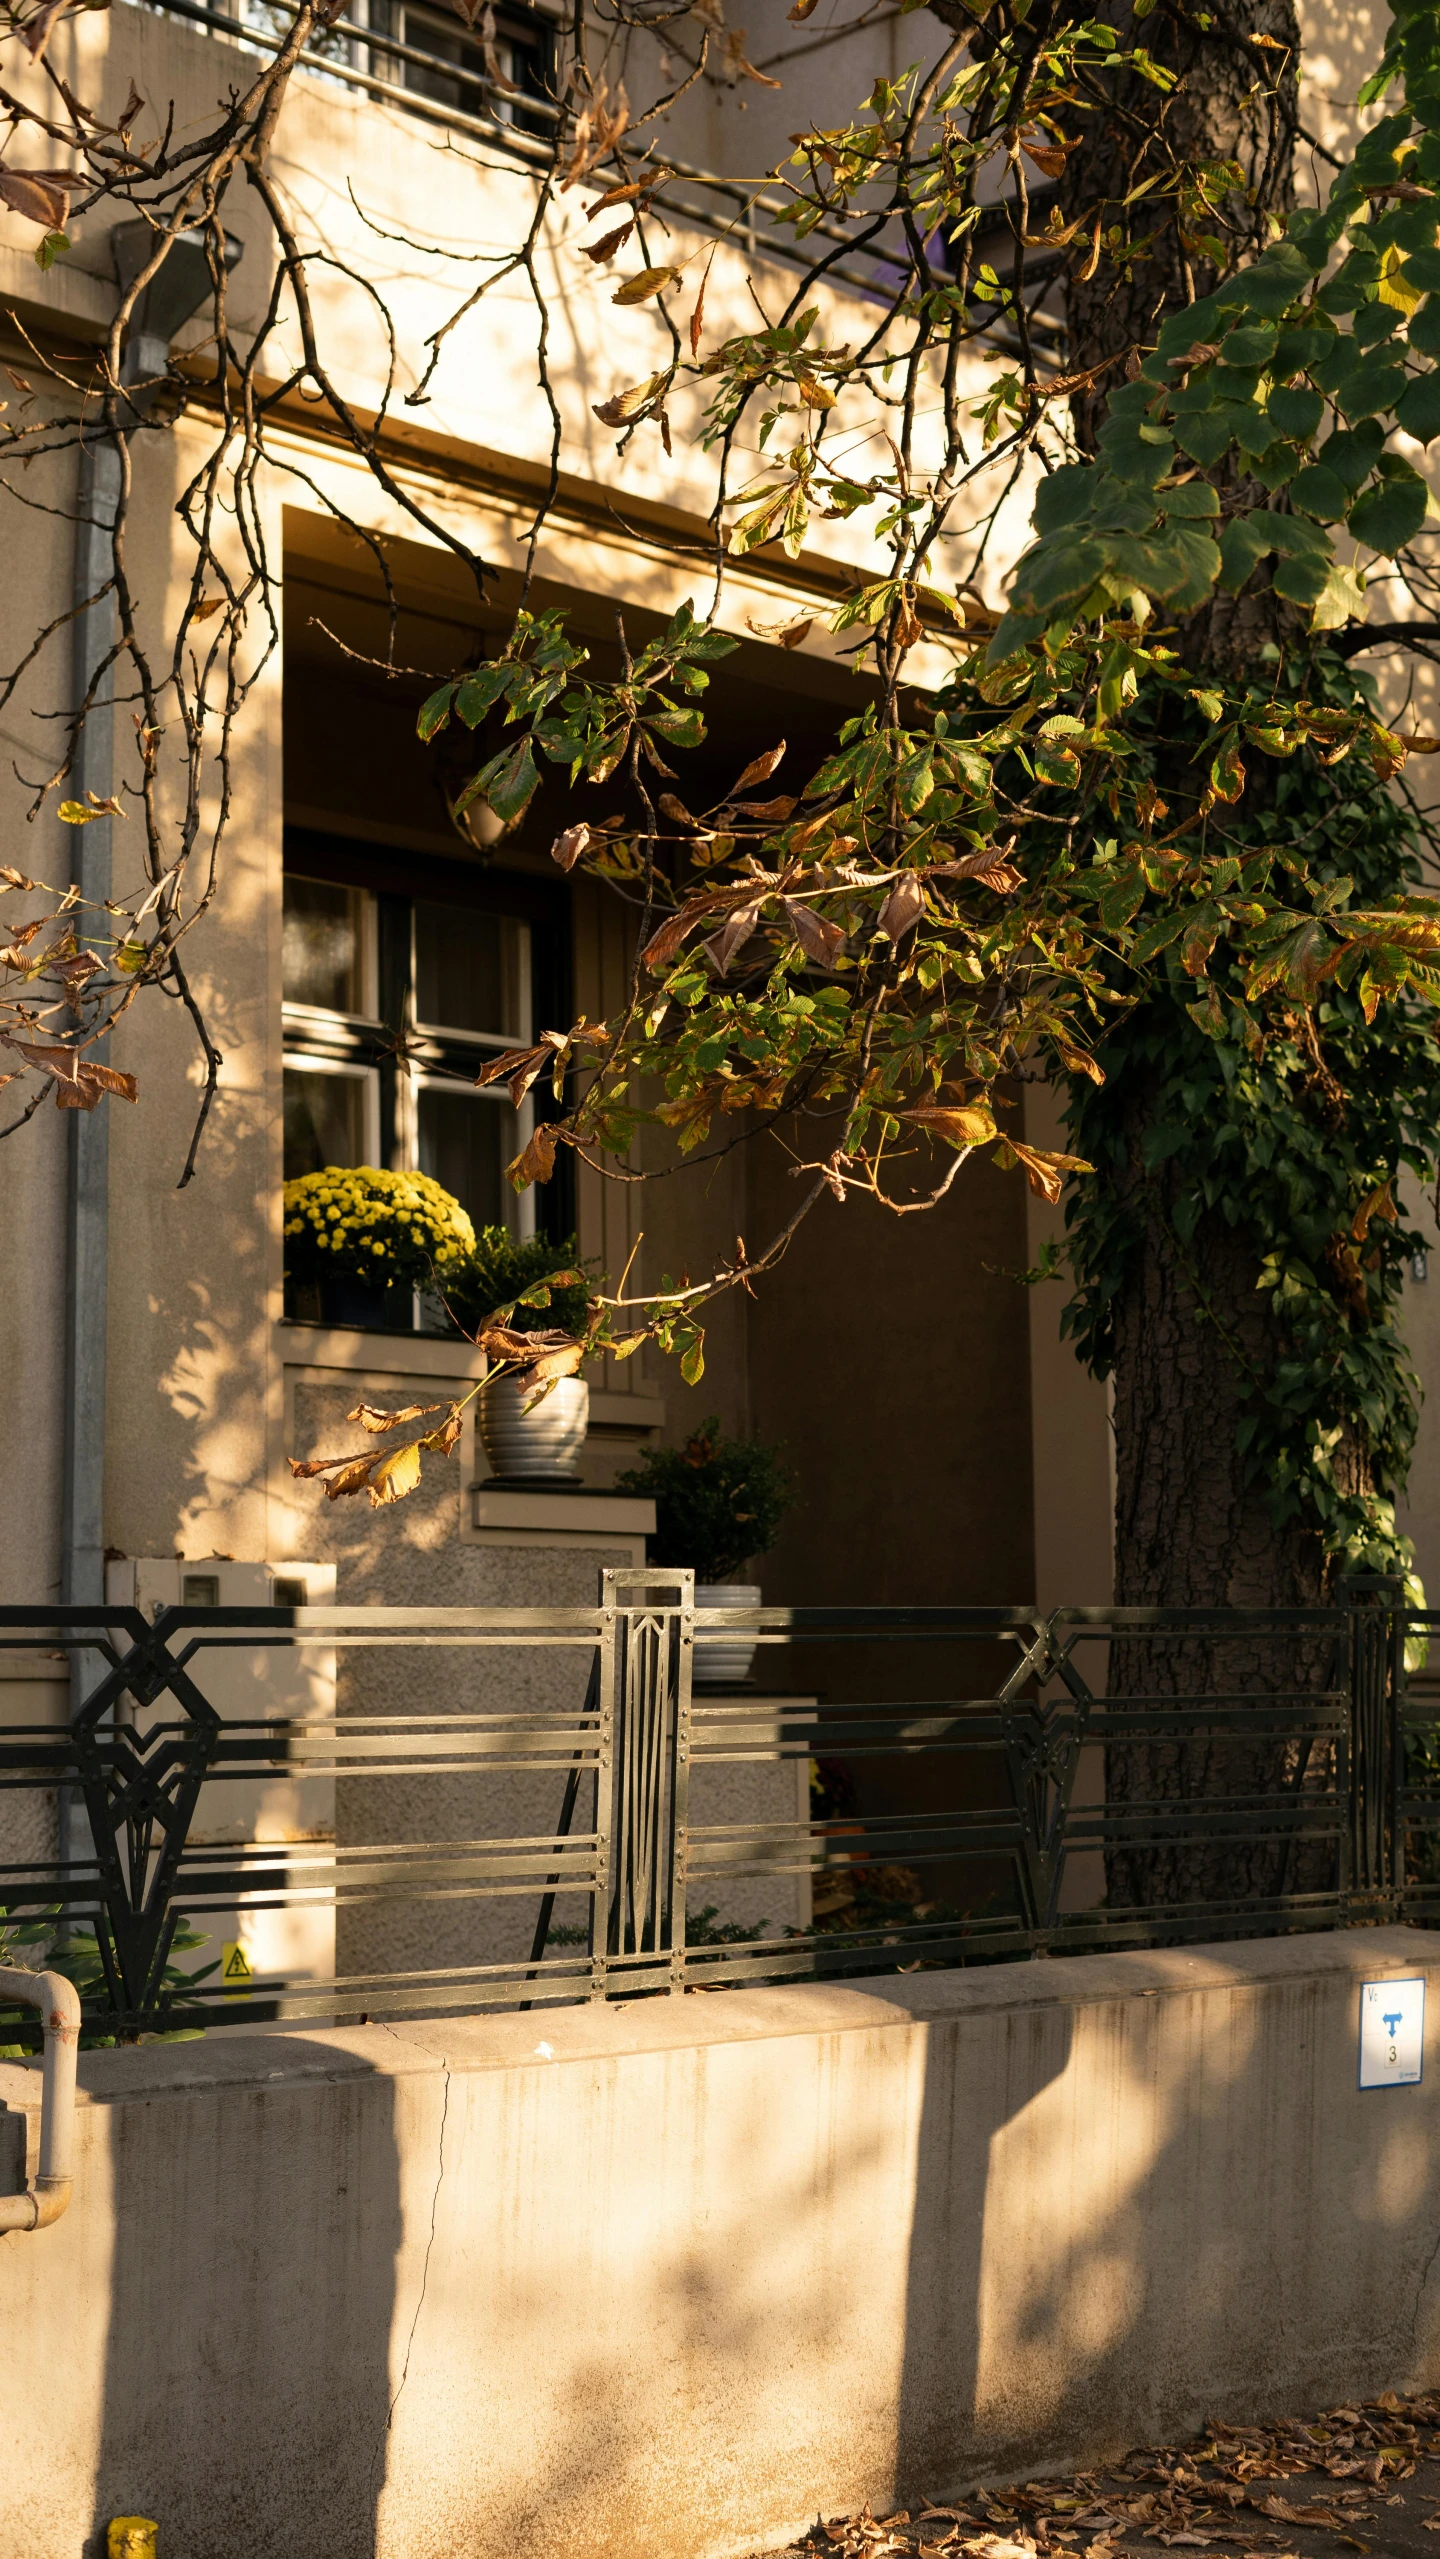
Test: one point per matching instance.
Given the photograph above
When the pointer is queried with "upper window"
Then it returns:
(367, 977)
(420, 46)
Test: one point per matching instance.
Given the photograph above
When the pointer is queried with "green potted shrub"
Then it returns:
(530, 1434)
(361, 1240)
(718, 1503)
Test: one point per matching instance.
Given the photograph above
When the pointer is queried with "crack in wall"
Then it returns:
(429, 2244)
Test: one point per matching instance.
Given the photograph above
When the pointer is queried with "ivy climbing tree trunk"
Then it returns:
(1192, 1333)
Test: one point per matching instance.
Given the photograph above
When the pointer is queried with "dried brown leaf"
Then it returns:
(444, 1437)
(567, 848)
(373, 1417)
(536, 1162)
(394, 1475)
(903, 907)
(734, 933)
(966, 1124)
(759, 769)
(823, 941)
(602, 251)
(644, 286)
(626, 406)
(41, 195)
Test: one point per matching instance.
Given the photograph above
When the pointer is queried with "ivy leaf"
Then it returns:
(1320, 492)
(1351, 453)
(1301, 577)
(1390, 516)
(1243, 545)
(1064, 498)
(1297, 412)
(1418, 409)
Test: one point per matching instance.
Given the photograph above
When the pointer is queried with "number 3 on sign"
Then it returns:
(1392, 2033)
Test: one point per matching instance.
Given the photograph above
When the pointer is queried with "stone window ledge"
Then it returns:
(316, 1348)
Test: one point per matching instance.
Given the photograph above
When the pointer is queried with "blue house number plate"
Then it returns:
(1392, 2033)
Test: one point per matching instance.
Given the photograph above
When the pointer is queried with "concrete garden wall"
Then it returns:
(662, 2279)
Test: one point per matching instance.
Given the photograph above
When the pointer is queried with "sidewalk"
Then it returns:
(1359, 2479)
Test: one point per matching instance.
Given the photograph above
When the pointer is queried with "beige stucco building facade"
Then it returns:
(946, 1444)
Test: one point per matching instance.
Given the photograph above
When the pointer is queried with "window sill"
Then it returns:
(517, 1506)
(315, 1347)
(378, 1354)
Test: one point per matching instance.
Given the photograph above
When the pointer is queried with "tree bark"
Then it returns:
(1193, 1331)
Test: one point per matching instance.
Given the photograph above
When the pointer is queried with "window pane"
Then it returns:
(467, 970)
(466, 1143)
(322, 945)
(324, 1120)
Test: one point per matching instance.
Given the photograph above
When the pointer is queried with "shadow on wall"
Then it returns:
(1117, 2210)
(943, 2429)
(285, 2244)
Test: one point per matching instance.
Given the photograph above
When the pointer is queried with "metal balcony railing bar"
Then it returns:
(625, 1849)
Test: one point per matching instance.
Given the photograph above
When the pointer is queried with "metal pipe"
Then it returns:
(59, 2004)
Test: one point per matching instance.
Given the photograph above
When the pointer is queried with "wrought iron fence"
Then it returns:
(371, 1812)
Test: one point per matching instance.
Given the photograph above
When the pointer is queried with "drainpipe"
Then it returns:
(171, 298)
(59, 2004)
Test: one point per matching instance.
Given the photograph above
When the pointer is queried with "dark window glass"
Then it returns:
(324, 1120)
(467, 970)
(463, 1144)
(322, 946)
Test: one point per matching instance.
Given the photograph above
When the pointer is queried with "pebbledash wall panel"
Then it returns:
(672, 2275)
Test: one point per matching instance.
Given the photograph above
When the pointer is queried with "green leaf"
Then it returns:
(1351, 455)
(1248, 346)
(478, 693)
(508, 782)
(1370, 391)
(1320, 492)
(692, 1363)
(1424, 330)
(1064, 497)
(1418, 410)
(1273, 282)
(1060, 573)
(1243, 545)
(1300, 348)
(53, 246)
(1301, 578)
(1336, 368)
(1194, 498)
(435, 713)
(1342, 599)
(1296, 413)
(1390, 516)
(1422, 268)
(1205, 437)
(679, 728)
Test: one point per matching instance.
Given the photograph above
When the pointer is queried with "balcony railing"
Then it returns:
(424, 60)
(381, 1812)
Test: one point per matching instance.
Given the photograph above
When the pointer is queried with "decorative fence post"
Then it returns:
(643, 1803)
(1375, 1613)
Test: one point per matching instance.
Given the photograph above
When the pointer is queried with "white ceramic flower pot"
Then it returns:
(720, 1658)
(541, 1446)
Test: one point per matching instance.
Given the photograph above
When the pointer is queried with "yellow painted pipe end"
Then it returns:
(131, 2537)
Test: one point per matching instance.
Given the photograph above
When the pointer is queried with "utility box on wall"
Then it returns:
(286, 1932)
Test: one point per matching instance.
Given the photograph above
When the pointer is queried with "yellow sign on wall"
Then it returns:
(236, 1970)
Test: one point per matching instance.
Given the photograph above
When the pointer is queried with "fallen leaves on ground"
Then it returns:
(1187, 2497)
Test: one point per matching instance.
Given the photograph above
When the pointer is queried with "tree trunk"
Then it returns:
(1192, 1329)
(1192, 1333)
